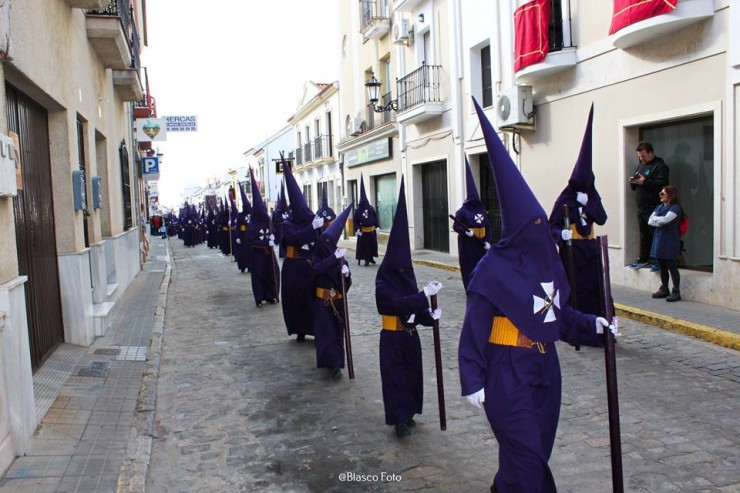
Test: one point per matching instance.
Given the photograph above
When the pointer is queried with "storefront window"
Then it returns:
(385, 200)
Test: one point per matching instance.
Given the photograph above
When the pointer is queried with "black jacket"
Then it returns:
(656, 174)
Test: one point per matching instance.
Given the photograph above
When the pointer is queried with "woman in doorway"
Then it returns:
(667, 242)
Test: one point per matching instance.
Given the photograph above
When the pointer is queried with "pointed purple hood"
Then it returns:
(299, 210)
(328, 240)
(396, 271)
(246, 206)
(259, 209)
(522, 274)
(325, 211)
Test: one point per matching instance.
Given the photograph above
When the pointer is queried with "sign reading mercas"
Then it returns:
(182, 123)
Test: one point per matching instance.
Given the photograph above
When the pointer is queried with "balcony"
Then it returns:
(420, 95)
(108, 30)
(322, 150)
(127, 84)
(87, 4)
(146, 107)
(687, 12)
(375, 24)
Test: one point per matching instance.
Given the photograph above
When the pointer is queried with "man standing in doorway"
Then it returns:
(648, 180)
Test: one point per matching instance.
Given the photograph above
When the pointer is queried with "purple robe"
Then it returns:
(472, 215)
(367, 243)
(243, 248)
(328, 315)
(296, 278)
(264, 267)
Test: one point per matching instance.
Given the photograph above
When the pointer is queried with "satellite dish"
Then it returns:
(503, 107)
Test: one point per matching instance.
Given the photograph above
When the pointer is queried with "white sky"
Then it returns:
(240, 67)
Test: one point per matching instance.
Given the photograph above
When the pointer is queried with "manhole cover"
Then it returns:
(97, 369)
(108, 351)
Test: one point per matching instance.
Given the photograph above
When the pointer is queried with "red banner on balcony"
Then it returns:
(531, 39)
(627, 12)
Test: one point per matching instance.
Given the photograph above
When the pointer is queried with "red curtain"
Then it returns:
(627, 12)
(531, 39)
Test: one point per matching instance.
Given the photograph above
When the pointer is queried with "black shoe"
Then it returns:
(662, 292)
(259, 304)
(358, 261)
(674, 296)
(402, 430)
(273, 301)
(372, 261)
(367, 263)
(411, 423)
(301, 338)
(336, 373)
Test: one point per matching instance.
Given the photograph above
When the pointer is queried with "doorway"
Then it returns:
(435, 206)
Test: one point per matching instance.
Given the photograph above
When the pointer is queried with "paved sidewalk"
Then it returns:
(711, 323)
(86, 398)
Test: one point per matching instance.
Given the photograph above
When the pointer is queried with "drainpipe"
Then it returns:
(458, 138)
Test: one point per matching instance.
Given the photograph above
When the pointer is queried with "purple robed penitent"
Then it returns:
(296, 276)
(581, 219)
(243, 247)
(366, 221)
(472, 216)
(263, 263)
(329, 316)
(521, 278)
(396, 295)
(277, 219)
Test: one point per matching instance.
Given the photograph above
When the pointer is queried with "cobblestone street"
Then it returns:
(241, 407)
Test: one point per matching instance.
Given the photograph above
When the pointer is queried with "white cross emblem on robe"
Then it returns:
(545, 305)
(479, 218)
(263, 234)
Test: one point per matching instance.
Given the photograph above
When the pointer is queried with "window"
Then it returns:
(126, 186)
(307, 196)
(486, 77)
(386, 198)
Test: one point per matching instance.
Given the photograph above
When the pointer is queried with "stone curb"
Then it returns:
(704, 332)
(699, 331)
(133, 472)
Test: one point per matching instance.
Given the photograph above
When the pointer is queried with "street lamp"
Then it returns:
(373, 94)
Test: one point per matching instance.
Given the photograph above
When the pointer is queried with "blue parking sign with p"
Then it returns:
(150, 165)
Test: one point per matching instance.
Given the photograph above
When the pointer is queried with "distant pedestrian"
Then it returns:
(402, 307)
(666, 247)
(243, 248)
(263, 264)
(366, 221)
(650, 176)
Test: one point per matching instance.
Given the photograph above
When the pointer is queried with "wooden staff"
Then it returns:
(570, 265)
(347, 335)
(438, 364)
(607, 305)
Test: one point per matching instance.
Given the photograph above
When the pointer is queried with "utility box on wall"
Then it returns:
(8, 164)
(97, 191)
(78, 190)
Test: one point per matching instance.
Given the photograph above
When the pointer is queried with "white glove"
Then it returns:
(238, 241)
(601, 323)
(436, 314)
(477, 398)
(358, 232)
(432, 288)
(271, 243)
(271, 237)
(340, 252)
(468, 233)
(566, 234)
(317, 222)
(486, 245)
(582, 198)
(345, 270)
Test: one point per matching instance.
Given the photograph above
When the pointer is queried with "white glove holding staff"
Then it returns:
(566, 234)
(358, 233)
(317, 222)
(340, 252)
(601, 324)
(345, 270)
(582, 198)
(432, 288)
(436, 314)
(468, 233)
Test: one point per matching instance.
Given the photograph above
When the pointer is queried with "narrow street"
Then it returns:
(241, 407)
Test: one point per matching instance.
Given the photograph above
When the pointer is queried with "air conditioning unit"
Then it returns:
(401, 30)
(354, 127)
(515, 108)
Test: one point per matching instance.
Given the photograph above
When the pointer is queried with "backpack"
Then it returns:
(683, 225)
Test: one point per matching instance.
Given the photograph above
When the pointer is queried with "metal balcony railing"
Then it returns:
(307, 152)
(322, 147)
(370, 10)
(388, 116)
(419, 87)
(123, 10)
(298, 156)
